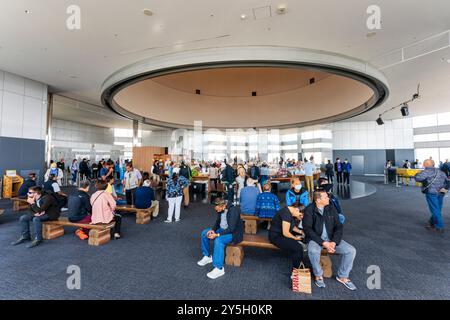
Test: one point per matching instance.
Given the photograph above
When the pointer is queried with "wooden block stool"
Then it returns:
(234, 255)
(327, 266)
(51, 231)
(250, 226)
(98, 237)
(143, 216)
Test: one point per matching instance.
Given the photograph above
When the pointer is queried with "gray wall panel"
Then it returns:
(21, 154)
(375, 159)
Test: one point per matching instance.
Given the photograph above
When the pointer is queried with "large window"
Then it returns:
(425, 121)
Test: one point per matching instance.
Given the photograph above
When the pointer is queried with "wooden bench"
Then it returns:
(234, 254)
(251, 223)
(98, 233)
(19, 204)
(143, 216)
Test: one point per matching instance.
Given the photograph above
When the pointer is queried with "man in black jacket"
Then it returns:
(228, 178)
(323, 230)
(80, 209)
(26, 185)
(228, 228)
(43, 208)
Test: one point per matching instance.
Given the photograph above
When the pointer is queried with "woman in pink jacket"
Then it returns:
(103, 206)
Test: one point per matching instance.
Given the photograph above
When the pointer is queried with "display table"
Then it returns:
(406, 175)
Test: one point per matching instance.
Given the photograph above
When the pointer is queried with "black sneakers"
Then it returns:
(21, 240)
(35, 243)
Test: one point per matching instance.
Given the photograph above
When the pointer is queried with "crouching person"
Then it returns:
(324, 230)
(228, 228)
(43, 207)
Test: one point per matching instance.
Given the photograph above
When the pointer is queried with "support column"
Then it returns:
(135, 133)
(48, 130)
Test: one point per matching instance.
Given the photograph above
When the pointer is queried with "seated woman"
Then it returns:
(79, 208)
(285, 234)
(103, 206)
(267, 203)
(145, 198)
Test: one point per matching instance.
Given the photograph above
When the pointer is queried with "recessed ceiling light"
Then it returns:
(243, 16)
(27, 11)
(371, 34)
(147, 12)
(281, 9)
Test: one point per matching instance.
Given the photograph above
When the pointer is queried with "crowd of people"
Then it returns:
(310, 220)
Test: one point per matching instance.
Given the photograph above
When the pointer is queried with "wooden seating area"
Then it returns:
(251, 223)
(234, 254)
(143, 216)
(98, 233)
(19, 204)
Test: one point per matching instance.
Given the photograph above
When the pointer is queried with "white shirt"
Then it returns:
(309, 169)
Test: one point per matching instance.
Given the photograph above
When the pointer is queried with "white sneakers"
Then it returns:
(215, 273)
(205, 260)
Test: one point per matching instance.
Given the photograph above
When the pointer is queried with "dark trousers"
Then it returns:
(330, 177)
(347, 177)
(118, 225)
(25, 221)
(215, 182)
(293, 248)
(130, 196)
(339, 177)
(230, 191)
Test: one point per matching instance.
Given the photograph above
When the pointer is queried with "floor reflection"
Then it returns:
(353, 190)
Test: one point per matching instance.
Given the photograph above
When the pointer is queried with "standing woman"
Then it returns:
(213, 174)
(103, 206)
(240, 180)
(285, 234)
(174, 195)
(74, 171)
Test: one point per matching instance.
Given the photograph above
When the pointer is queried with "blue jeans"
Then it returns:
(220, 244)
(347, 251)
(74, 176)
(37, 224)
(435, 202)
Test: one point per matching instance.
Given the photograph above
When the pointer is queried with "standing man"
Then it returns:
(435, 185)
(446, 168)
(329, 171)
(84, 170)
(107, 170)
(131, 181)
(346, 168)
(228, 177)
(338, 170)
(185, 171)
(323, 230)
(309, 173)
(61, 165)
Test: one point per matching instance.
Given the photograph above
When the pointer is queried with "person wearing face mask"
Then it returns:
(228, 228)
(56, 171)
(297, 194)
(338, 169)
(346, 168)
(285, 234)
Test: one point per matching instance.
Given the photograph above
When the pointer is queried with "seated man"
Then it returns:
(297, 194)
(145, 197)
(26, 185)
(43, 208)
(51, 186)
(328, 187)
(267, 203)
(79, 208)
(228, 228)
(249, 194)
(324, 230)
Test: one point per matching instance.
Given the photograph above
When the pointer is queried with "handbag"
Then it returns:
(301, 279)
(426, 185)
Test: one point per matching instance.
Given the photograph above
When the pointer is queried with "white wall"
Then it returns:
(23, 107)
(70, 131)
(368, 135)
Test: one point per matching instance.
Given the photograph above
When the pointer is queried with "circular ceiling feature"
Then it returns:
(245, 87)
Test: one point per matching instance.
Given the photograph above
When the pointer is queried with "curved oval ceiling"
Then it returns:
(245, 87)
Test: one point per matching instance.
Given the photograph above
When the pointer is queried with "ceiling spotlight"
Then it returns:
(147, 12)
(380, 121)
(405, 110)
(281, 9)
(28, 11)
(243, 16)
